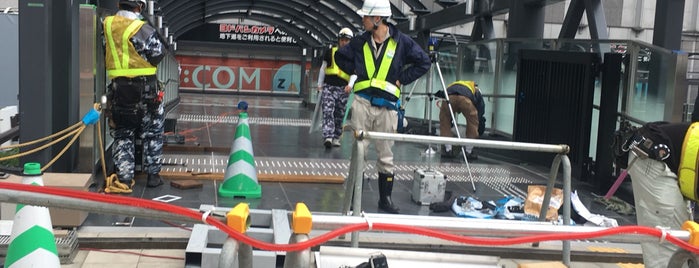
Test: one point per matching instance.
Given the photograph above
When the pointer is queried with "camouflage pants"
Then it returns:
(151, 134)
(333, 101)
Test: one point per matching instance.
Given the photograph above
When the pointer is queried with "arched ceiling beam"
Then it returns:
(310, 16)
(347, 12)
(330, 12)
(180, 15)
(397, 14)
(417, 7)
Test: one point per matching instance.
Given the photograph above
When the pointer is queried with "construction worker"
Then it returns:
(383, 59)
(464, 98)
(133, 50)
(656, 152)
(334, 85)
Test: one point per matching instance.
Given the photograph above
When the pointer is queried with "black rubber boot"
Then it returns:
(154, 180)
(385, 189)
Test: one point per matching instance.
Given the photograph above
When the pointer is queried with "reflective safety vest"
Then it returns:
(467, 83)
(688, 163)
(377, 79)
(333, 69)
(122, 60)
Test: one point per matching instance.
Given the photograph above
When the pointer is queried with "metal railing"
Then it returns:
(236, 251)
(353, 191)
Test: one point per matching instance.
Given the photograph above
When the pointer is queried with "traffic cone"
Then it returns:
(32, 243)
(240, 178)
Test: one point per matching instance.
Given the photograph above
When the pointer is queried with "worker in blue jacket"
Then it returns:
(383, 59)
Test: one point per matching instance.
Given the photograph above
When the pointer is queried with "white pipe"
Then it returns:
(481, 228)
(520, 146)
(151, 7)
(464, 226)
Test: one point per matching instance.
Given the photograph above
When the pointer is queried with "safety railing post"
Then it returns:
(229, 253)
(357, 157)
(244, 256)
(301, 226)
(238, 218)
(566, 198)
(354, 183)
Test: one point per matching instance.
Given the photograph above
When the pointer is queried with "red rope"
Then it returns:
(159, 206)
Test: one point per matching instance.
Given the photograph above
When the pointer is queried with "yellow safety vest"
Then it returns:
(378, 79)
(688, 163)
(122, 60)
(467, 83)
(333, 69)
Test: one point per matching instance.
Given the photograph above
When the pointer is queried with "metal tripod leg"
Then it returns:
(453, 121)
(430, 151)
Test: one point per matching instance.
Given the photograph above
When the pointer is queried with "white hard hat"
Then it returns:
(381, 8)
(345, 33)
(134, 3)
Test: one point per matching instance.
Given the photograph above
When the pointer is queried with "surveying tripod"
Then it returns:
(434, 59)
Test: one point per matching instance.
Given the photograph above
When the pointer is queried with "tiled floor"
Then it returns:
(279, 128)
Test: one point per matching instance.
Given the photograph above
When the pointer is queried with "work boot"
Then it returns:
(385, 189)
(328, 142)
(154, 180)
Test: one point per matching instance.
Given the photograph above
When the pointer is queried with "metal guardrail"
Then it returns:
(279, 231)
(353, 191)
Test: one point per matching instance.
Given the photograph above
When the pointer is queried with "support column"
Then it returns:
(667, 33)
(667, 30)
(64, 65)
(48, 75)
(525, 21)
(35, 76)
(609, 99)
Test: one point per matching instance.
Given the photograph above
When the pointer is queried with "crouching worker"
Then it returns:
(464, 98)
(133, 50)
(656, 152)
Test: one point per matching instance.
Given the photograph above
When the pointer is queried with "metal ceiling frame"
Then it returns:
(322, 17)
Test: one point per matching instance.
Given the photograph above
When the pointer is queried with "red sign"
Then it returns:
(224, 74)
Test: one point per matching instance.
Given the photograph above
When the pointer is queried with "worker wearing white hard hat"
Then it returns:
(334, 85)
(383, 59)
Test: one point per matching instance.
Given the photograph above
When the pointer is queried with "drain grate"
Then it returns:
(229, 119)
(67, 246)
(496, 177)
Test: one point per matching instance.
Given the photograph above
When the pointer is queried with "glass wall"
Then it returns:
(652, 86)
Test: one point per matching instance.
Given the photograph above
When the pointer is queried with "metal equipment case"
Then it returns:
(428, 186)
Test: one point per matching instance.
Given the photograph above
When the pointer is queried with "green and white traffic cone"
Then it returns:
(240, 178)
(32, 243)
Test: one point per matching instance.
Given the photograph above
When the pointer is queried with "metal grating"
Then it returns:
(496, 177)
(67, 246)
(229, 119)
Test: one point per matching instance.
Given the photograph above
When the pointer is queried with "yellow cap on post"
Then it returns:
(238, 217)
(693, 229)
(301, 221)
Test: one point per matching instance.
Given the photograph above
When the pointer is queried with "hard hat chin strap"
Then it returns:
(376, 24)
